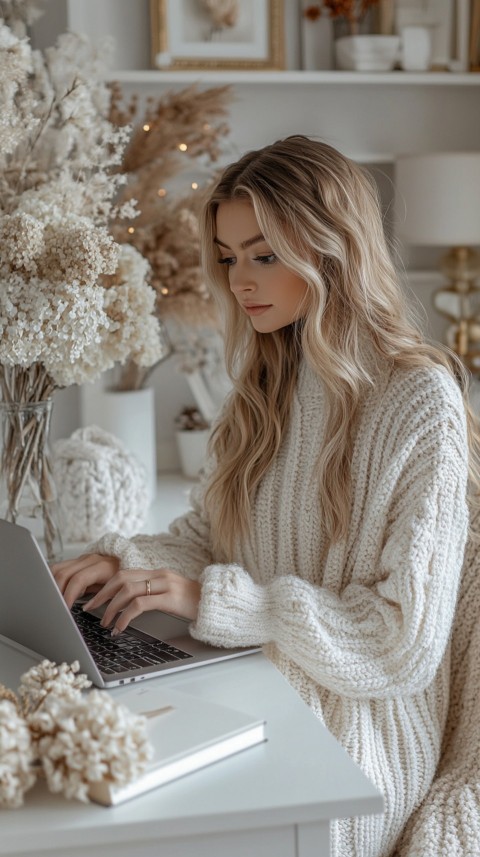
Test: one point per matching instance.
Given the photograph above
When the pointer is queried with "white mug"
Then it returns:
(416, 48)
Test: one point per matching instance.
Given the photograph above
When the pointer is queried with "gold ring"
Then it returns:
(148, 586)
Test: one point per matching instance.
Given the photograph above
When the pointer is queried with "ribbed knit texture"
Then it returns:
(361, 628)
(448, 822)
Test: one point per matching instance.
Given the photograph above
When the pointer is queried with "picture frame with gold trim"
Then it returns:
(185, 37)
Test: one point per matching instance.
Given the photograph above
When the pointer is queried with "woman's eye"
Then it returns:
(266, 260)
(228, 260)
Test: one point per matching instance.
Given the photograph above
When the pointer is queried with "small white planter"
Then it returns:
(192, 450)
(367, 53)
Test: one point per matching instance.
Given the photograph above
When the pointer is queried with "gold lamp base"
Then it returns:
(460, 303)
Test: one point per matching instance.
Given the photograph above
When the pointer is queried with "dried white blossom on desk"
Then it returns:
(89, 741)
(73, 739)
(16, 756)
(49, 679)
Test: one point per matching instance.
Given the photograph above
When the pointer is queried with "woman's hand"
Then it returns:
(127, 593)
(135, 591)
(87, 573)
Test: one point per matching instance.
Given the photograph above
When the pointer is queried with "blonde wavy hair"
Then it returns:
(321, 216)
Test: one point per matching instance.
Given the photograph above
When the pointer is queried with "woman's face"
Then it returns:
(271, 295)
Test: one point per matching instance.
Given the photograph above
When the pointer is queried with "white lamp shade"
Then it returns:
(437, 199)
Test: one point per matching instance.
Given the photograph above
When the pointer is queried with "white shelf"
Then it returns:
(294, 78)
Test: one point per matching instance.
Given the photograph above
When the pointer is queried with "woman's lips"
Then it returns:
(256, 309)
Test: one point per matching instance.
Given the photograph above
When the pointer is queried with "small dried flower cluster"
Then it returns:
(73, 739)
(352, 10)
(19, 14)
(59, 183)
(130, 305)
(190, 419)
(198, 349)
(16, 756)
(50, 679)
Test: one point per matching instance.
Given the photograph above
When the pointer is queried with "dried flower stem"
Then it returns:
(133, 377)
(6, 693)
(26, 417)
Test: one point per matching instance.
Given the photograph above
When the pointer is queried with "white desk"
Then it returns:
(274, 800)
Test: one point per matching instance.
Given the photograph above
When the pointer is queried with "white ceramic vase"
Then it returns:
(416, 51)
(367, 52)
(192, 450)
(130, 416)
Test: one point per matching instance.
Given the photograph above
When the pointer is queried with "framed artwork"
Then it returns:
(474, 55)
(217, 34)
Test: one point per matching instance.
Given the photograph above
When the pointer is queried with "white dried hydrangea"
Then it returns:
(73, 738)
(87, 741)
(53, 324)
(19, 14)
(130, 306)
(15, 123)
(16, 756)
(57, 198)
(49, 679)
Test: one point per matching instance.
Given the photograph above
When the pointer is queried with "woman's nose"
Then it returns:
(239, 280)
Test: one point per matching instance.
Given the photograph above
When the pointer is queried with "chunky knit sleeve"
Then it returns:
(385, 632)
(185, 548)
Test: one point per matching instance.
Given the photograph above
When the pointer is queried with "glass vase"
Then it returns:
(28, 495)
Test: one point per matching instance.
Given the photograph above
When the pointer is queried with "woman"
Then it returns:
(331, 522)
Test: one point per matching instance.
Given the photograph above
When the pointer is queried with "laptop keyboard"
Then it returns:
(125, 652)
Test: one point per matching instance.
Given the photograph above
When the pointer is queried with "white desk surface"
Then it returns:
(288, 788)
(299, 776)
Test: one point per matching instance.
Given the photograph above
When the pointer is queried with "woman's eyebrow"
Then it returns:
(244, 244)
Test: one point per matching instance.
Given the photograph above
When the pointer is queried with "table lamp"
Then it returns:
(437, 204)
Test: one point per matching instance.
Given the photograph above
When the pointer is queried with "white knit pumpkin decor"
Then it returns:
(101, 485)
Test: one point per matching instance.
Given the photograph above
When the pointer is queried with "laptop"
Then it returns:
(34, 614)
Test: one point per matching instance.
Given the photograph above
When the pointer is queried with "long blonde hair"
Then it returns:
(321, 216)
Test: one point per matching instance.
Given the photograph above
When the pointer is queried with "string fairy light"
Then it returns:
(161, 191)
(131, 230)
(183, 147)
(146, 127)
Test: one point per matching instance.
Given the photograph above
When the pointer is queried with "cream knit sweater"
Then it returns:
(361, 628)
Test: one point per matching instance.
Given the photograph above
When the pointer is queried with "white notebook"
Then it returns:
(187, 733)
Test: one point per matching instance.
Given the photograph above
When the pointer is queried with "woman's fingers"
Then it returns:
(75, 577)
(180, 598)
(118, 593)
(130, 593)
(139, 605)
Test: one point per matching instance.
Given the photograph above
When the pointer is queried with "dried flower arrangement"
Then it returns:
(352, 11)
(62, 320)
(313, 11)
(50, 728)
(180, 135)
(190, 419)
(59, 323)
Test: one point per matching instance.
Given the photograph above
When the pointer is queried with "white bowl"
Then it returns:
(367, 53)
